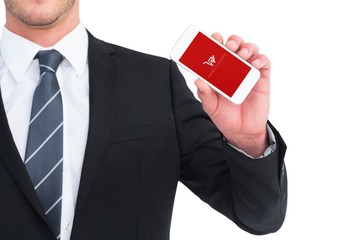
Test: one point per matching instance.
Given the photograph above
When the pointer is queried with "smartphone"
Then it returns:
(209, 60)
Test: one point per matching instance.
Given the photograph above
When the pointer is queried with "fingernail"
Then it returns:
(244, 51)
(231, 43)
(257, 63)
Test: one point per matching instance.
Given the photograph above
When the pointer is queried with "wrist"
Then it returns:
(254, 144)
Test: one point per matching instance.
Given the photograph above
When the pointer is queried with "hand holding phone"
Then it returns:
(209, 60)
(243, 125)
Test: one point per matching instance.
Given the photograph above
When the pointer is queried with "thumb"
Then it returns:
(207, 96)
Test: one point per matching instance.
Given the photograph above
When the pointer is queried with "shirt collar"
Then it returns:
(18, 52)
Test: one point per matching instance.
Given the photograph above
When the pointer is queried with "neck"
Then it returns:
(44, 37)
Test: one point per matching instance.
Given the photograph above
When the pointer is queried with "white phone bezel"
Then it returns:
(243, 89)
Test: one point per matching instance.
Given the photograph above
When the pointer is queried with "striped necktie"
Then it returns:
(44, 151)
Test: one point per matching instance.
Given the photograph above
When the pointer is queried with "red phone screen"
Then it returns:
(214, 64)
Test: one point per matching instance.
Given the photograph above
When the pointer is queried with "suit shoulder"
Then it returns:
(129, 58)
(134, 55)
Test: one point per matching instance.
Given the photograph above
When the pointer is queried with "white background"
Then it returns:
(314, 49)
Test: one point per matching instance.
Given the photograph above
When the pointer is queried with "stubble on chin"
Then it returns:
(37, 19)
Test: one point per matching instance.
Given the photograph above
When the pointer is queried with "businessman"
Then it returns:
(95, 137)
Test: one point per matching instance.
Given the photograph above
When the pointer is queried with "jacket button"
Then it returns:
(67, 226)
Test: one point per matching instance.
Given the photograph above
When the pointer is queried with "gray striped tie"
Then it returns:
(44, 152)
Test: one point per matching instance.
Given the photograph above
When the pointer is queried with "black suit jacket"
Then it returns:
(146, 133)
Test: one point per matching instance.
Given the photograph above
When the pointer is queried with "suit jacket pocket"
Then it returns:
(135, 133)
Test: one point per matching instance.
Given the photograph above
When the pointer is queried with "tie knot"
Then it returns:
(49, 60)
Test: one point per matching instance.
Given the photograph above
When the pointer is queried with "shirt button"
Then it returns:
(67, 226)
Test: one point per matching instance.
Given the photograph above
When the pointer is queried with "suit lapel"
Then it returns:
(10, 157)
(103, 86)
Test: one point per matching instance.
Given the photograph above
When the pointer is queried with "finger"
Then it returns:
(248, 51)
(261, 62)
(218, 37)
(234, 42)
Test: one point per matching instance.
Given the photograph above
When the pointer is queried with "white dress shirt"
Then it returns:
(19, 76)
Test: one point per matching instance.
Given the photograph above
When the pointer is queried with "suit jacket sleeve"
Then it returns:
(250, 192)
